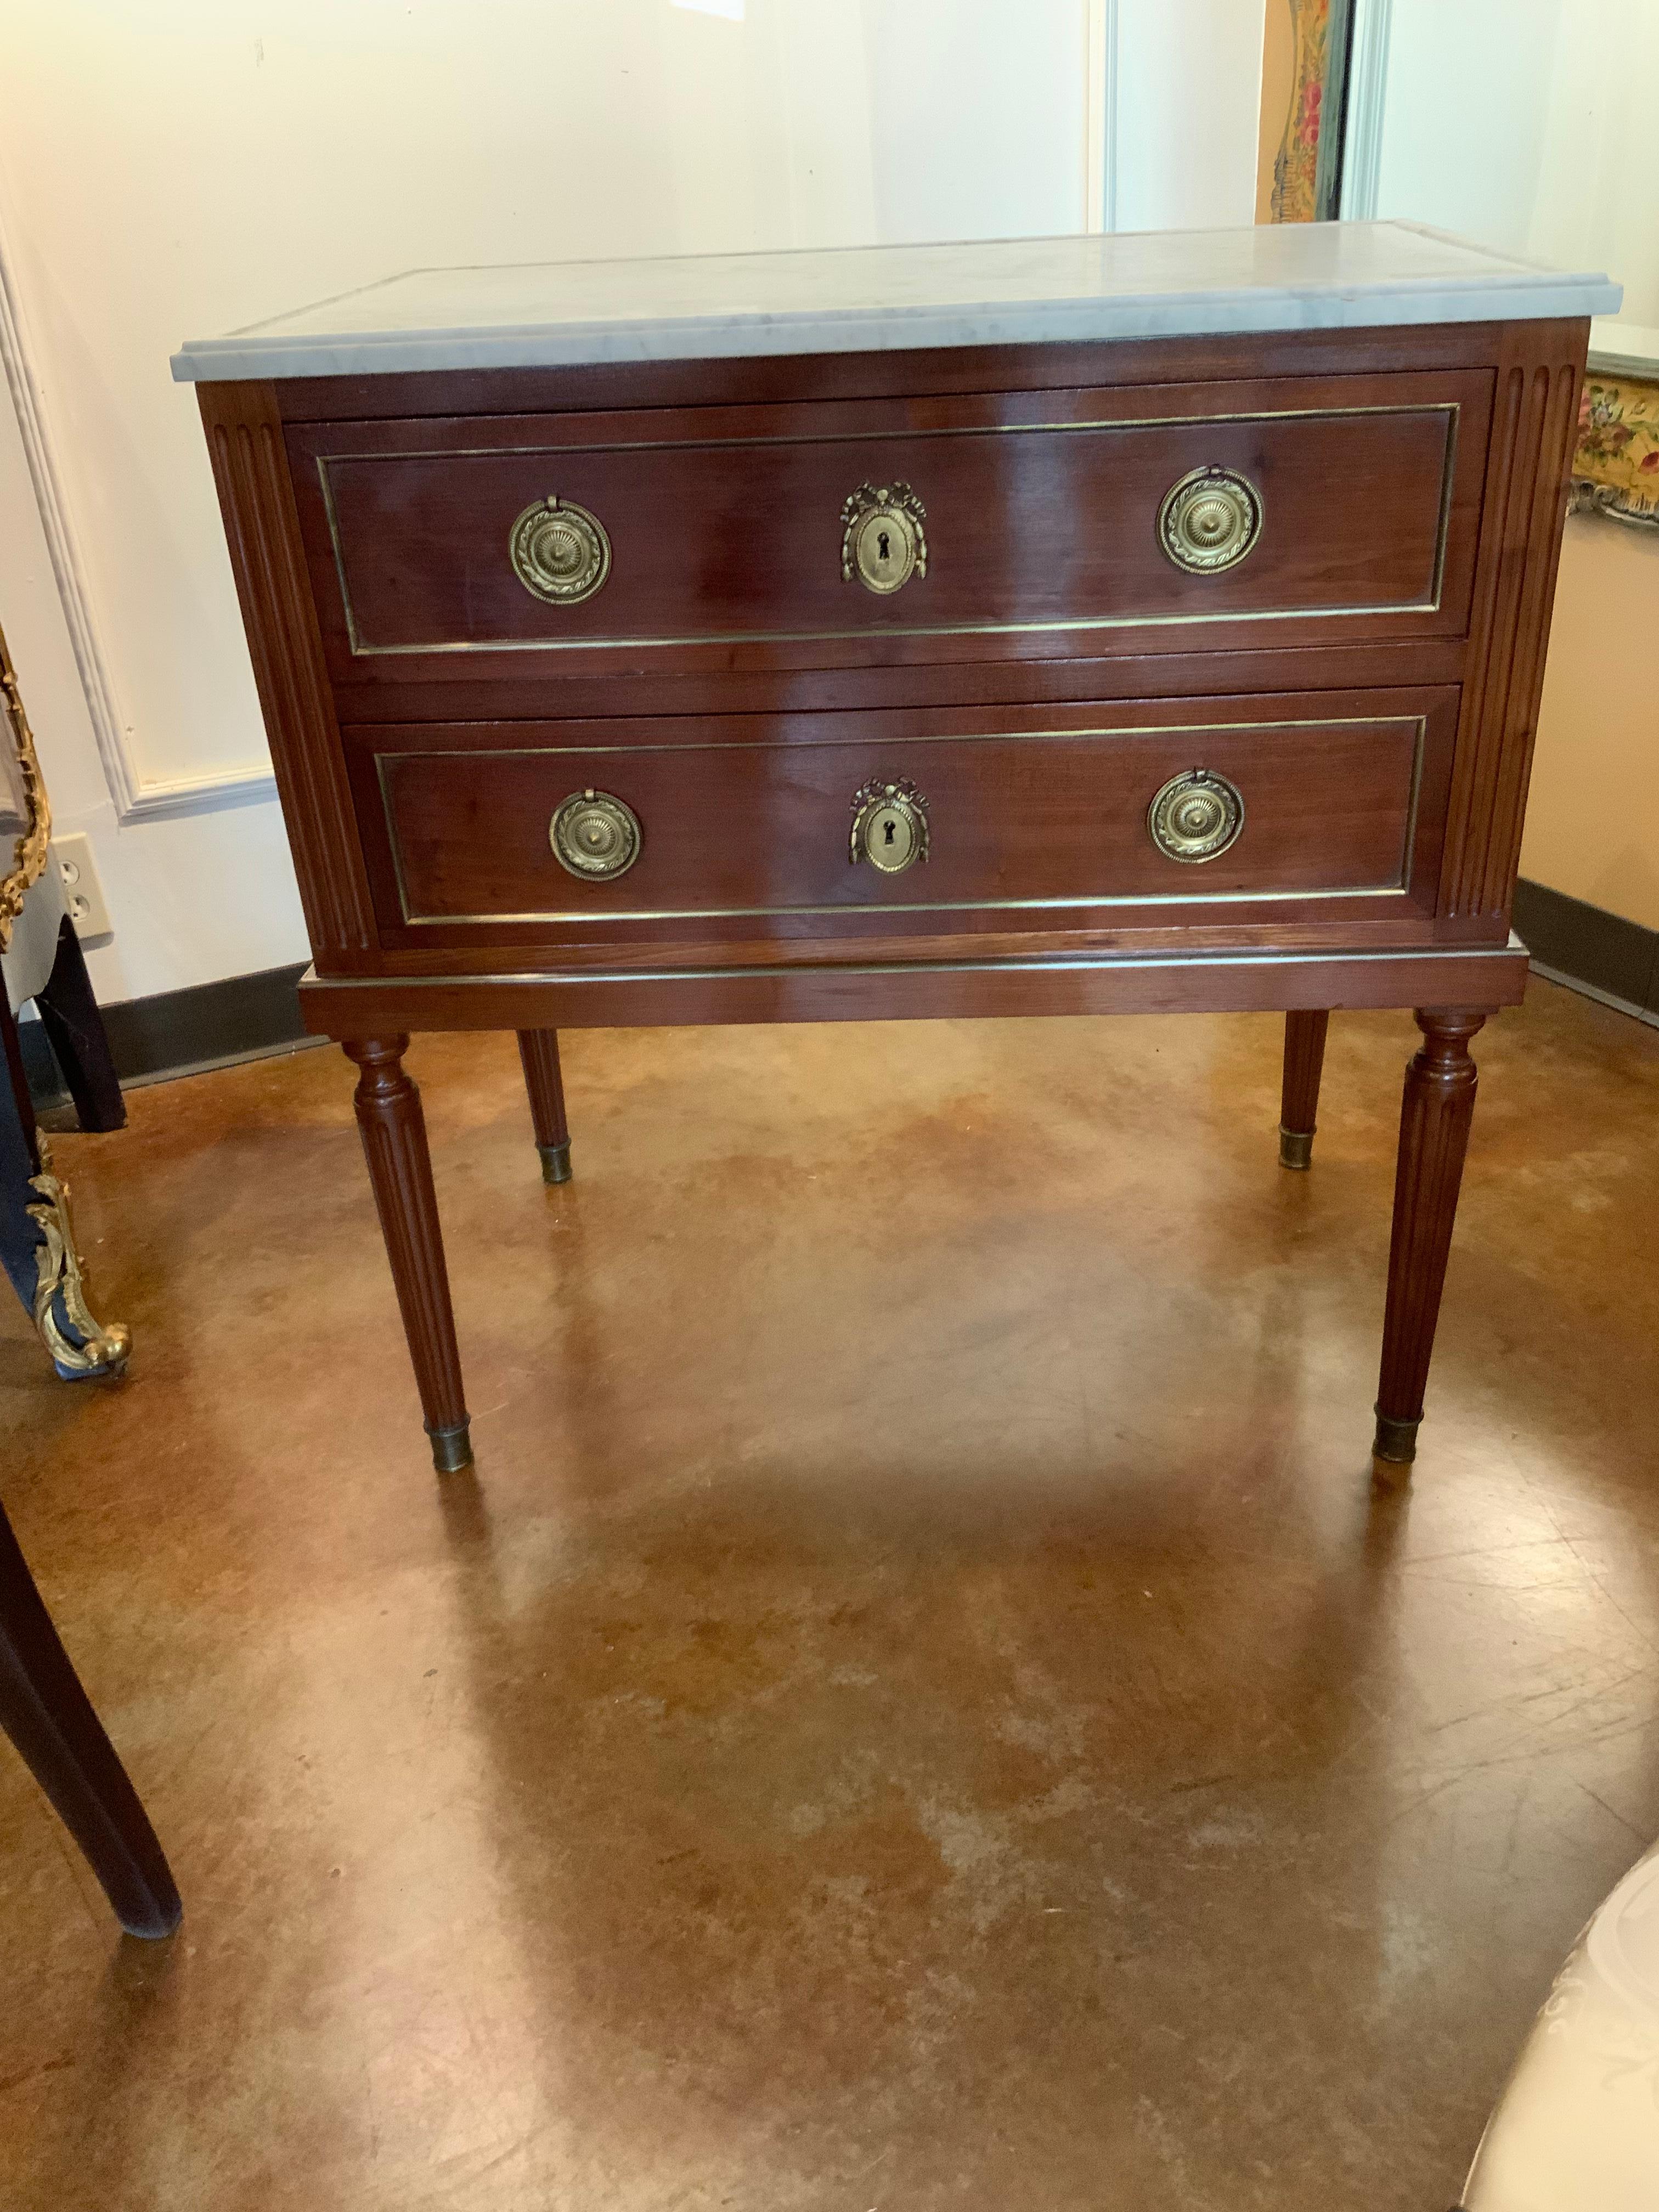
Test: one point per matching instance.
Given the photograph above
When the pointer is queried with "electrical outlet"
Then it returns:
(83, 895)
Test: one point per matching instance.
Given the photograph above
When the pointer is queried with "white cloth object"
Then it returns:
(1576, 2130)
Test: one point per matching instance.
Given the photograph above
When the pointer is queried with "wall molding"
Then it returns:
(1100, 160)
(159, 797)
(1368, 85)
(136, 797)
(183, 1032)
(1589, 950)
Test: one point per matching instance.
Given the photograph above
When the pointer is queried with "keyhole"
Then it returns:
(881, 545)
(888, 829)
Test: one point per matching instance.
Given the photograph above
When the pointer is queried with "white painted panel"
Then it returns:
(1527, 124)
(1598, 182)
(1463, 120)
(1189, 112)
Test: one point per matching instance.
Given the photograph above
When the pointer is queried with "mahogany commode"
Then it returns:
(1083, 625)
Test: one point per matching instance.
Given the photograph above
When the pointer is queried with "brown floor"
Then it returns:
(920, 1707)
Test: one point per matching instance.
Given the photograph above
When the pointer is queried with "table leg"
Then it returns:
(1304, 1061)
(400, 1168)
(1434, 1136)
(539, 1051)
(47, 1714)
(75, 1028)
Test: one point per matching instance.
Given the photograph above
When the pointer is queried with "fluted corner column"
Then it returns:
(1434, 1137)
(400, 1170)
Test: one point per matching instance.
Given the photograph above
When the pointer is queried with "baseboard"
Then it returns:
(183, 1032)
(249, 1016)
(1570, 942)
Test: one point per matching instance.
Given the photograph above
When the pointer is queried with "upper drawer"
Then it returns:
(1041, 523)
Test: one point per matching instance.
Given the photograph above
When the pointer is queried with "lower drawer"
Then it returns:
(934, 820)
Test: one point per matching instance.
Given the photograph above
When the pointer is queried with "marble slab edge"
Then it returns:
(1254, 311)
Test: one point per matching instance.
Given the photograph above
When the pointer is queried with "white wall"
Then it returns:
(173, 169)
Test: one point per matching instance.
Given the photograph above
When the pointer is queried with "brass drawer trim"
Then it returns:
(361, 648)
(1400, 888)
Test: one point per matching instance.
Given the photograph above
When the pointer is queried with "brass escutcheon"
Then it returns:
(1209, 520)
(889, 825)
(1196, 816)
(884, 538)
(560, 552)
(595, 835)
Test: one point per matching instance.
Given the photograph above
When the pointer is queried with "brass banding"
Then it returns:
(362, 645)
(1393, 888)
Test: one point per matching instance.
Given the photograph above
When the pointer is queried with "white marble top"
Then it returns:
(1289, 276)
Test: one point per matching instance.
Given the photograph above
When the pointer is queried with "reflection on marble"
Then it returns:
(1129, 285)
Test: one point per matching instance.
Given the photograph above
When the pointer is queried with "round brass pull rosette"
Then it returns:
(559, 551)
(595, 835)
(1196, 816)
(1209, 520)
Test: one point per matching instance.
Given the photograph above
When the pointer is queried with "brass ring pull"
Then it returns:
(1209, 520)
(595, 835)
(1196, 816)
(883, 537)
(889, 825)
(560, 552)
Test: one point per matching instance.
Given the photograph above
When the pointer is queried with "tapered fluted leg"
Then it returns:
(394, 1144)
(1304, 1061)
(539, 1051)
(60, 1738)
(1434, 1136)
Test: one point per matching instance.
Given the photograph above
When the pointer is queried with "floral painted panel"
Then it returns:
(1296, 165)
(1615, 469)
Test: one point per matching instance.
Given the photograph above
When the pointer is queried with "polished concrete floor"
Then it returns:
(920, 1706)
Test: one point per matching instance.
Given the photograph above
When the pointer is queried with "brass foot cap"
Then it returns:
(1396, 1440)
(1296, 1148)
(452, 1448)
(556, 1162)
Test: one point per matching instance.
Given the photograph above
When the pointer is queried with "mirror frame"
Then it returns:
(27, 862)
